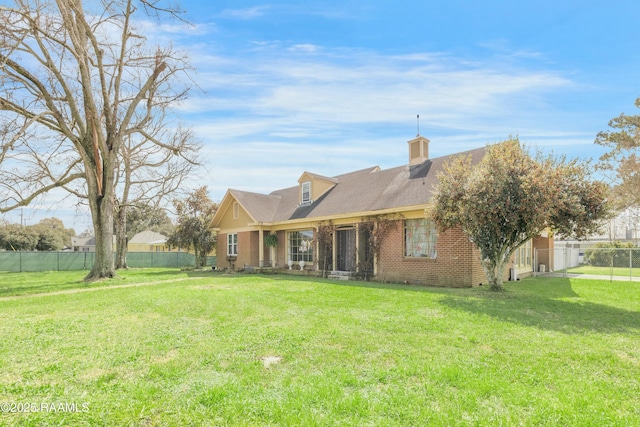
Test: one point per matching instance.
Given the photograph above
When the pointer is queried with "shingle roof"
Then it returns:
(366, 190)
(83, 241)
(148, 236)
(260, 206)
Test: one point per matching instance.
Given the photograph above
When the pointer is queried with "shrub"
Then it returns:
(612, 254)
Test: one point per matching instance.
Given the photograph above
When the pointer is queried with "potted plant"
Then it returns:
(271, 240)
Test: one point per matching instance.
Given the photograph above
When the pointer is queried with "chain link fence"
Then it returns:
(611, 263)
(66, 261)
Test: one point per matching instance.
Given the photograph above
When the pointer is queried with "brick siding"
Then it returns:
(457, 263)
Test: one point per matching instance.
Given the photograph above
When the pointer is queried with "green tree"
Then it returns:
(145, 217)
(14, 237)
(511, 197)
(623, 158)
(192, 231)
(52, 235)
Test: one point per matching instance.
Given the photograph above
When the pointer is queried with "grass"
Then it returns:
(209, 349)
(13, 284)
(605, 271)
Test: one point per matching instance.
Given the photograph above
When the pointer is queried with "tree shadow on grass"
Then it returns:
(545, 303)
(549, 304)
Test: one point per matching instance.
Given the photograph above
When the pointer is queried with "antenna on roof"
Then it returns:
(418, 118)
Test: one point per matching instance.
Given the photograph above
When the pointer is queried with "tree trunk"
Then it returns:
(121, 237)
(495, 272)
(196, 254)
(100, 178)
(102, 213)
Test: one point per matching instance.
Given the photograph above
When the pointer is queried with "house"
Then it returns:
(353, 207)
(85, 243)
(149, 241)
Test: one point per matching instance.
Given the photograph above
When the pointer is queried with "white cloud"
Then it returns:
(270, 113)
(245, 14)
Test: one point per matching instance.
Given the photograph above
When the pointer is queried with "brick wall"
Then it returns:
(457, 263)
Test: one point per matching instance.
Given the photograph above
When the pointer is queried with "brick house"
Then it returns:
(349, 205)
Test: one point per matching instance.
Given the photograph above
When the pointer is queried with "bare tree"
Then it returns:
(76, 84)
(148, 173)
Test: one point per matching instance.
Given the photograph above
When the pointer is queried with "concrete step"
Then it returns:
(340, 275)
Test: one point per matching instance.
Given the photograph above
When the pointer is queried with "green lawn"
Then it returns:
(605, 271)
(246, 350)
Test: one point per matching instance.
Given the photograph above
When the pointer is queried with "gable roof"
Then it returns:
(147, 236)
(366, 190)
(309, 175)
(259, 206)
(83, 241)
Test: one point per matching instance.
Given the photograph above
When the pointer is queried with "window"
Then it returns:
(236, 210)
(306, 192)
(420, 238)
(301, 246)
(232, 244)
(523, 256)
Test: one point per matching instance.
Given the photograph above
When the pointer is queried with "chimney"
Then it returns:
(418, 150)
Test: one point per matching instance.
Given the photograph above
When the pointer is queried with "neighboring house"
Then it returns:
(86, 244)
(412, 251)
(149, 241)
(625, 226)
(83, 244)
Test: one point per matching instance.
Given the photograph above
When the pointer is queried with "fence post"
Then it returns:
(630, 266)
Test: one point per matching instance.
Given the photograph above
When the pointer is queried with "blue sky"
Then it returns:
(334, 86)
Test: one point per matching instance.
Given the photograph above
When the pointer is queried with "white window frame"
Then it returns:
(300, 245)
(232, 244)
(305, 192)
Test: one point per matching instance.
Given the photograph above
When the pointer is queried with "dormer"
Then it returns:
(418, 150)
(313, 186)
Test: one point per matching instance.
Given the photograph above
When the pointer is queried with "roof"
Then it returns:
(366, 190)
(261, 207)
(147, 237)
(83, 241)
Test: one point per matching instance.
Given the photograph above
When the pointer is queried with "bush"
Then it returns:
(612, 254)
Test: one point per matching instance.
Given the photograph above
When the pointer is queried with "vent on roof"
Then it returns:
(418, 150)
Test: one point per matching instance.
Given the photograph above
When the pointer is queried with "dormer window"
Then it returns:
(306, 192)
(313, 186)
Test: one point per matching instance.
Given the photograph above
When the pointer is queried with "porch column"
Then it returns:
(260, 247)
(357, 231)
(334, 251)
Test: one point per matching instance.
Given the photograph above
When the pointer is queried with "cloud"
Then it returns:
(362, 87)
(245, 14)
(271, 110)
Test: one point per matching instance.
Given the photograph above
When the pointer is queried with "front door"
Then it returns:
(346, 250)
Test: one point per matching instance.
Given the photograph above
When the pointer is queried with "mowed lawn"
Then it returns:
(171, 348)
